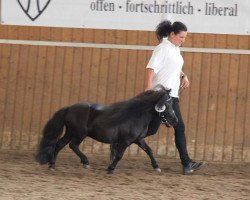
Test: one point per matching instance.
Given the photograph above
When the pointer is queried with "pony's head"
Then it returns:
(164, 108)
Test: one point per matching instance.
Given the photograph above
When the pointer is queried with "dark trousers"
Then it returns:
(180, 137)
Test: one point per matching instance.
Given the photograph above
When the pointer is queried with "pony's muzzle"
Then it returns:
(173, 121)
(169, 121)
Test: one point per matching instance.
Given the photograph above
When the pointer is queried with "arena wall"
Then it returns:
(36, 79)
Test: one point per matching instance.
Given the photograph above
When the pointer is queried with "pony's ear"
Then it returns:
(160, 108)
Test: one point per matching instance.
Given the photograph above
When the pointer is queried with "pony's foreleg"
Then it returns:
(143, 145)
(117, 157)
(59, 145)
(74, 145)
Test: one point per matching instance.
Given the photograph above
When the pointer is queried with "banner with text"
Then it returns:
(200, 16)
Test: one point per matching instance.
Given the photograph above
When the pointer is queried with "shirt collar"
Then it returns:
(165, 39)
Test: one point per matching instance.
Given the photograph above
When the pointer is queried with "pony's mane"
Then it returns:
(134, 107)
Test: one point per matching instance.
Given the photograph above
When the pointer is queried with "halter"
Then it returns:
(169, 99)
(162, 115)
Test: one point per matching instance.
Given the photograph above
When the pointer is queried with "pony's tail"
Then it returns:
(51, 133)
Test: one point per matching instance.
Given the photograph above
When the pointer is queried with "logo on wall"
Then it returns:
(33, 8)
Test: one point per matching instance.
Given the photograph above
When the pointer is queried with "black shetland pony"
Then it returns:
(119, 124)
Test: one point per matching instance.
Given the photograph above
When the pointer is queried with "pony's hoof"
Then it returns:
(110, 171)
(86, 166)
(158, 169)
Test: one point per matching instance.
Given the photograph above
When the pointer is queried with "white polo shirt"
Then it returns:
(167, 62)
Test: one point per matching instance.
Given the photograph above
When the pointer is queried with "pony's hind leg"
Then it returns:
(117, 157)
(113, 150)
(62, 142)
(74, 145)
